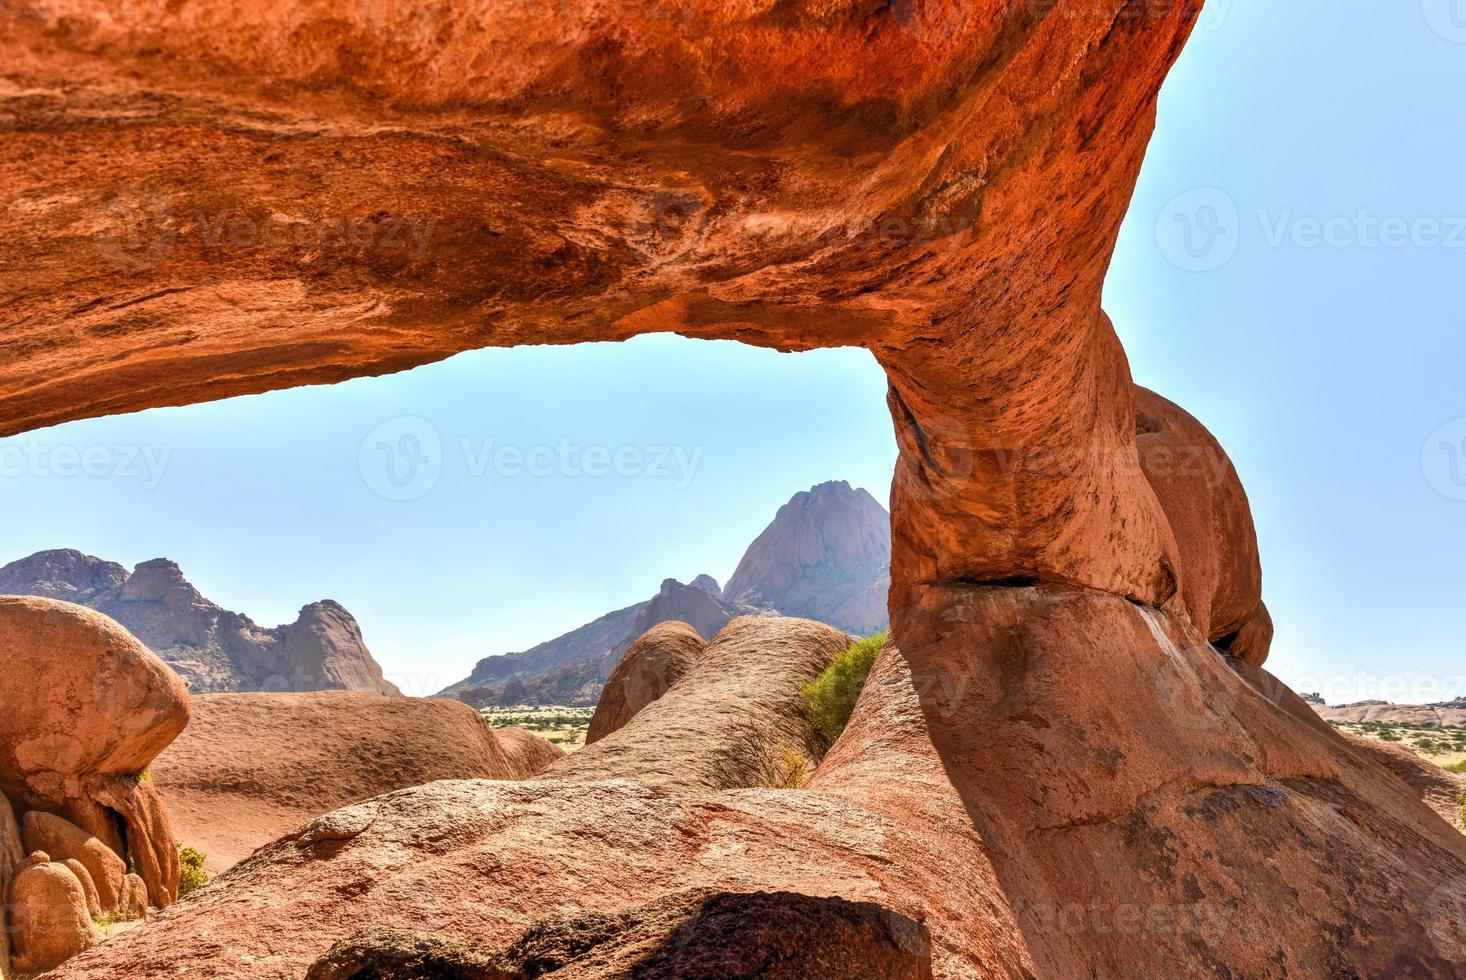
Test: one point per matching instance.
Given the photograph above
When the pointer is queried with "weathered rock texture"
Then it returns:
(1439, 789)
(65, 842)
(88, 708)
(1085, 821)
(205, 204)
(528, 754)
(652, 665)
(826, 557)
(735, 720)
(212, 648)
(12, 858)
(48, 918)
(251, 767)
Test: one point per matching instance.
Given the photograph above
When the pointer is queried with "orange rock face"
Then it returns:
(339, 191)
(251, 767)
(650, 665)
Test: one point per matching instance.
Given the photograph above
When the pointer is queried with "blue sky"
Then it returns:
(1291, 272)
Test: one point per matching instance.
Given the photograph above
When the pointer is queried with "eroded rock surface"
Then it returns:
(644, 673)
(528, 753)
(734, 720)
(700, 933)
(1084, 819)
(47, 916)
(251, 767)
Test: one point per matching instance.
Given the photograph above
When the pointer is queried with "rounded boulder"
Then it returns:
(84, 699)
(49, 920)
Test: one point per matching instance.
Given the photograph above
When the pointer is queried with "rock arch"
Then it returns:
(207, 205)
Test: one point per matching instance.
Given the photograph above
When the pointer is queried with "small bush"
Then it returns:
(1386, 735)
(755, 759)
(1457, 767)
(194, 875)
(830, 698)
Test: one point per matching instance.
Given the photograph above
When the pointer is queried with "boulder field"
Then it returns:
(1070, 761)
(251, 767)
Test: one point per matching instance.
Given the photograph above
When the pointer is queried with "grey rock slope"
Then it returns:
(826, 556)
(212, 648)
(571, 669)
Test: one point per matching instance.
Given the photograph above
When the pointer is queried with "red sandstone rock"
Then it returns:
(251, 767)
(134, 898)
(697, 933)
(12, 858)
(1435, 787)
(64, 841)
(89, 887)
(49, 921)
(80, 751)
(942, 185)
(644, 673)
(1208, 512)
(735, 720)
(528, 754)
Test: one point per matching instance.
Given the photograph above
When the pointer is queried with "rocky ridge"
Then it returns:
(212, 648)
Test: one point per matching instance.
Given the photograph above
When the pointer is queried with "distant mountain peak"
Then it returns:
(826, 556)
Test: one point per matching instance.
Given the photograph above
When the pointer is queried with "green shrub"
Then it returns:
(830, 698)
(194, 875)
(1386, 735)
(1457, 767)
